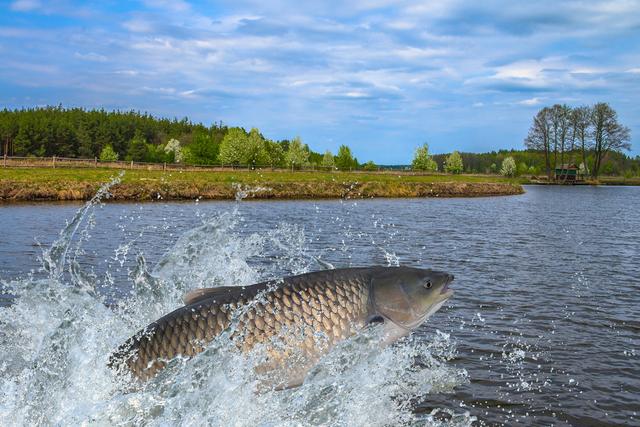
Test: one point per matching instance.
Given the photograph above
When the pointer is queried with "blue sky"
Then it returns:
(380, 76)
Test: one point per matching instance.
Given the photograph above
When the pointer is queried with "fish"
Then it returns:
(294, 320)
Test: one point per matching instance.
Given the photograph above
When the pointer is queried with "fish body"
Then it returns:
(296, 319)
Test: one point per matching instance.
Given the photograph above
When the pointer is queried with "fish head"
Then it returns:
(407, 296)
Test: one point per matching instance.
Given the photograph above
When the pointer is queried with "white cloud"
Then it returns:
(357, 94)
(127, 72)
(91, 56)
(530, 101)
(26, 5)
(170, 5)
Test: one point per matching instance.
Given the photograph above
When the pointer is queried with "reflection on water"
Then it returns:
(542, 329)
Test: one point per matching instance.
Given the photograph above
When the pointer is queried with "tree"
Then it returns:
(156, 154)
(173, 148)
(274, 153)
(255, 151)
(203, 150)
(454, 164)
(328, 160)
(298, 154)
(522, 168)
(233, 146)
(23, 143)
(561, 125)
(138, 148)
(370, 166)
(108, 154)
(608, 134)
(422, 160)
(345, 160)
(86, 145)
(580, 120)
(539, 137)
(8, 131)
(508, 167)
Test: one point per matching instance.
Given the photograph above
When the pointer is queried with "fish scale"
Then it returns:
(292, 311)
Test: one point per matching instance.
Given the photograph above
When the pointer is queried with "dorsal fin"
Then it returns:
(205, 293)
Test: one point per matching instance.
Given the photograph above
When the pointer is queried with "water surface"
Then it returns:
(543, 328)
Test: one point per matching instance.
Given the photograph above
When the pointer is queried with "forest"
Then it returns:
(141, 137)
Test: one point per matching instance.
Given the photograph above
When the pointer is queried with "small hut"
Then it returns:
(568, 172)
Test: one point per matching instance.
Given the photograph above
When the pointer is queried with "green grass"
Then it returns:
(619, 180)
(48, 175)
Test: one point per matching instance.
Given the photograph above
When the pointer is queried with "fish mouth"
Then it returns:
(445, 292)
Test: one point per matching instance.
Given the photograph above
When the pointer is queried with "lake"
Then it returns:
(543, 328)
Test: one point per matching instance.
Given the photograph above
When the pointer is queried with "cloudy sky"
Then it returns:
(381, 76)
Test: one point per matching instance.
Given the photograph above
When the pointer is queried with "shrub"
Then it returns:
(370, 166)
(508, 167)
(108, 154)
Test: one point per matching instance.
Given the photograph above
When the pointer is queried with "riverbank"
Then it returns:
(140, 185)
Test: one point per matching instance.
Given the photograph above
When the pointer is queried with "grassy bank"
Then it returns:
(140, 185)
(603, 180)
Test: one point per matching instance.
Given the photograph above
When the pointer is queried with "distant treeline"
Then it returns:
(589, 137)
(141, 137)
(532, 162)
(560, 134)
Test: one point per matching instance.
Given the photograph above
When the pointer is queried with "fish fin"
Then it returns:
(324, 264)
(205, 293)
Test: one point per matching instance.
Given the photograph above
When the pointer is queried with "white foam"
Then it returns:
(56, 338)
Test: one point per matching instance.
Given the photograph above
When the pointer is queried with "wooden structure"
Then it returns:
(568, 173)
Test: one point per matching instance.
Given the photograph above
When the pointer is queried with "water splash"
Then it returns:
(57, 334)
(54, 258)
(244, 191)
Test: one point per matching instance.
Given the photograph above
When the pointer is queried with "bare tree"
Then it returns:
(581, 123)
(561, 125)
(608, 134)
(539, 137)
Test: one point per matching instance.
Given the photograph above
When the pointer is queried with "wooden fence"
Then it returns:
(66, 162)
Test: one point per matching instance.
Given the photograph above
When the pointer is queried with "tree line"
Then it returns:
(562, 133)
(141, 137)
(532, 162)
(591, 137)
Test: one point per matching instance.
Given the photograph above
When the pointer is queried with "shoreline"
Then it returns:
(33, 185)
(21, 192)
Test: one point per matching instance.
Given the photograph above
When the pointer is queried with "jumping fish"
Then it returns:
(296, 319)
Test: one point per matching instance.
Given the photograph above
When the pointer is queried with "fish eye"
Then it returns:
(428, 284)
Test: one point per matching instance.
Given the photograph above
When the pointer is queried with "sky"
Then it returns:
(380, 76)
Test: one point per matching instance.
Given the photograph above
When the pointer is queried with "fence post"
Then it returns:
(5, 160)
(131, 165)
(164, 166)
(95, 162)
(54, 162)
